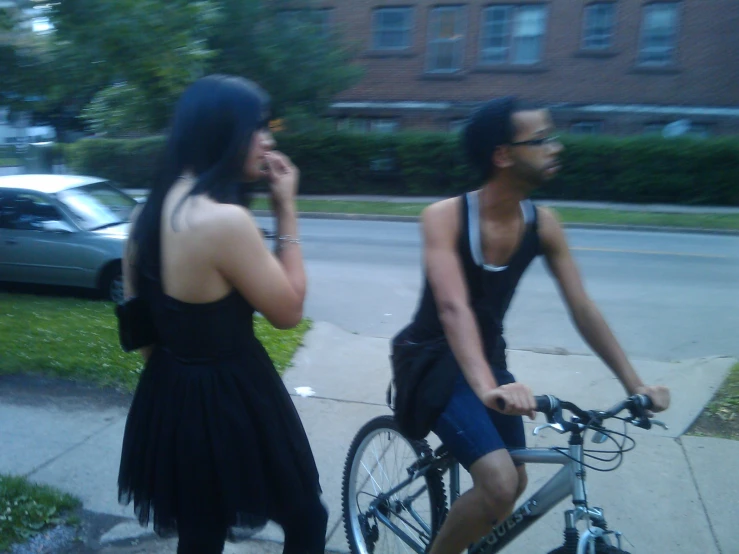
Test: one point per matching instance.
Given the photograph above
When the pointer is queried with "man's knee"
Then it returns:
(498, 482)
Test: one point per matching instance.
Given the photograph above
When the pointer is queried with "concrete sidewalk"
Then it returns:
(672, 494)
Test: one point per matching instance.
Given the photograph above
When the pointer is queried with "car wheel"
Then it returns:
(112, 287)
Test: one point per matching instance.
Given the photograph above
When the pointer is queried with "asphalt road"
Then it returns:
(667, 296)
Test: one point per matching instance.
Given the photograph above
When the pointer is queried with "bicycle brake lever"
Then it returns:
(640, 422)
(659, 423)
(556, 426)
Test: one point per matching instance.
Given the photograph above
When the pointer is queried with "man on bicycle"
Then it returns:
(476, 248)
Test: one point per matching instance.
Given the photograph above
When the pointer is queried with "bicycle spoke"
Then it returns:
(381, 465)
(375, 484)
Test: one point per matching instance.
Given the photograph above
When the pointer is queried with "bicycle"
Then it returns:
(392, 509)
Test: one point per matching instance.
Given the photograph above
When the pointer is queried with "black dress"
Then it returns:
(212, 436)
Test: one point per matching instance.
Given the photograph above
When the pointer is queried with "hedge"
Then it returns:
(129, 162)
(643, 169)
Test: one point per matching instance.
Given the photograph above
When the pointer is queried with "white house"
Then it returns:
(20, 131)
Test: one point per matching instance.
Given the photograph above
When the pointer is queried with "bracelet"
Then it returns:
(289, 239)
(282, 240)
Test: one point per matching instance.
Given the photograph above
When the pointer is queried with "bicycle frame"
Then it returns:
(568, 481)
(407, 504)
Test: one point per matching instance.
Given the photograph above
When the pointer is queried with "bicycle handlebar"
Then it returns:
(547, 403)
(637, 405)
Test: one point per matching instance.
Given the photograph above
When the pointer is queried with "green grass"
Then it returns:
(78, 339)
(9, 162)
(616, 217)
(567, 215)
(351, 207)
(720, 418)
(26, 509)
(726, 401)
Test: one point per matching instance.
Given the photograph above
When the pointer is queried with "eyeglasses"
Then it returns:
(537, 142)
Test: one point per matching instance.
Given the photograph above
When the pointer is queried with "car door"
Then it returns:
(7, 241)
(41, 244)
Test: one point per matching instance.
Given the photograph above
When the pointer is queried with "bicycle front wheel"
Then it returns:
(380, 515)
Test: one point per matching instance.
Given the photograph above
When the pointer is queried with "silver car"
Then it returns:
(63, 230)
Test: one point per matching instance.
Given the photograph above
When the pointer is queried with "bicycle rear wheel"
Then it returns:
(378, 461)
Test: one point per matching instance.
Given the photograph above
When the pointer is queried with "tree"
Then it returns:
(289, 48)
(117, 67)
(140, 53)
(19, 51)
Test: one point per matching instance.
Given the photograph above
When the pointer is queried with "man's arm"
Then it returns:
(441, 227)
(586, 315)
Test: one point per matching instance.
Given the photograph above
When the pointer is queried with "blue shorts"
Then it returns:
(470, 430)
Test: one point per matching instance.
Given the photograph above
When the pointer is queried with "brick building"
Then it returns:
(616, 66)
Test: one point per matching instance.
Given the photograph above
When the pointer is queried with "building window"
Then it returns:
(391, 29)
(659, 34)
(586, 127)
(513, 34)
(320, 18)
(352, 125)
(682, 127)
(446, 39)
(366, 124)
(599, 23)
(383, 125)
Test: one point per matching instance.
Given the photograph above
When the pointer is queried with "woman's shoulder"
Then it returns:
(223, 223)
(226, 217)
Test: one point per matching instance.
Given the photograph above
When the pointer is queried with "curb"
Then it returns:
(591, 226)
(357, 217)
(652, 229)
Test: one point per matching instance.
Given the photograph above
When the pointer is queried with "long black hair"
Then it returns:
(211, 130)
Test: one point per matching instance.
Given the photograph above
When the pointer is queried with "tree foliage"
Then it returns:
(118, 66)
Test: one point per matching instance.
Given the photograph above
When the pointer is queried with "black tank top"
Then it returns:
(491, 288)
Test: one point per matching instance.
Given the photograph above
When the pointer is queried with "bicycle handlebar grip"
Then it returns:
(543, 403)
(644, 401)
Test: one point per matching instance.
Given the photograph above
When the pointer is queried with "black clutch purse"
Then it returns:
(135, 324)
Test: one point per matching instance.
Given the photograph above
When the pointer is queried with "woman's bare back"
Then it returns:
(189, 235)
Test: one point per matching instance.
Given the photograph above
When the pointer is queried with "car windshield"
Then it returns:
(97, 205)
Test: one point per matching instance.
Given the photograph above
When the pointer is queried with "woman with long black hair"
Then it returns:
(213, 441)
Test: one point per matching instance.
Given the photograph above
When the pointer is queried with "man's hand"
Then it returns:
(660, 396)
(516, 399)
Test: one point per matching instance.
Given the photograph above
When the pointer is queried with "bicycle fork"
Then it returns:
(597, 527)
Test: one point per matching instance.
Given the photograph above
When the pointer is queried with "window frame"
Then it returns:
(512, 46)
(671, 58)
(408, 29)
(586, 28)
(458, 43)
(595, 127)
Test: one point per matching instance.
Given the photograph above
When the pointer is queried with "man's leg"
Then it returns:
(478, 437)
(496, 485)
